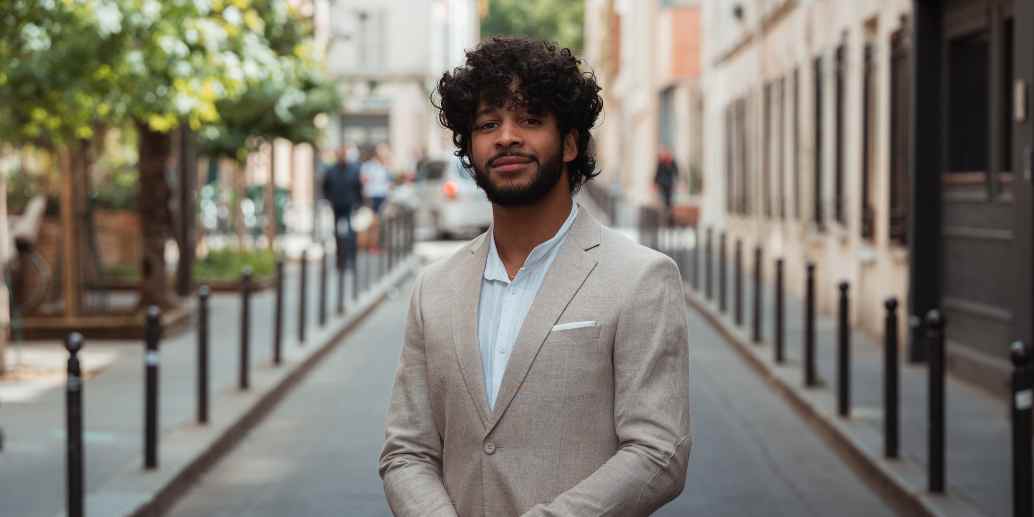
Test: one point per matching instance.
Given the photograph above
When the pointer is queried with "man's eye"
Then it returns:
(533, 121)
(486, 126)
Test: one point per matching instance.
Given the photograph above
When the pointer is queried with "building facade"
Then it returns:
(877, 139)
(387, 56)
(646, 55)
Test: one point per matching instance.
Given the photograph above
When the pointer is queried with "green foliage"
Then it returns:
(554, 20)
(227, 265)
(118, 191)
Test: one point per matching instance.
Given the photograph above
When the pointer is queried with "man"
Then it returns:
(544, 370)
(344, 190)
(667, 174)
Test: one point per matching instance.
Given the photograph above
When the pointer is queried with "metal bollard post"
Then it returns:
(202, 355)
(890, 379)
(382, 237)
(809, 327)
(709, 267)
(245, 362)
(844, 355)
(1022, 384)
(74, 427)
(321, 310)
(780, 331)
(721, 274)
(757, 295)
(339, 254)
(303, 296)
(152, 335)
(278, 316)
(738, 283)
(695, 274)
(935, 350)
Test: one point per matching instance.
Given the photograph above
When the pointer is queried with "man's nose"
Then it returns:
(509, 135)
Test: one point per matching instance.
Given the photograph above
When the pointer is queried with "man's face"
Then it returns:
(518, 156)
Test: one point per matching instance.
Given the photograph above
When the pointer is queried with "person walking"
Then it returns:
(376, 178)
(343, 188)
(666, 176)
(545, 368)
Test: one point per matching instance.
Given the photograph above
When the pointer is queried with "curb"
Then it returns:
(901, 481)
(191, 449)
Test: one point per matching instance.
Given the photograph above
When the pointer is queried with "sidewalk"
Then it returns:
(978, 454)
(32, 465)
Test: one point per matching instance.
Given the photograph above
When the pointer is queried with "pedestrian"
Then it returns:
(342, 188)
(666, 176)
(544, 368)
(376, 178)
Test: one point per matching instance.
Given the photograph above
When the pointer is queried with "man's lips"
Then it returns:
(509, 163)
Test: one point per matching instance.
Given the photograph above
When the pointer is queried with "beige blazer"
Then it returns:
(591, 420)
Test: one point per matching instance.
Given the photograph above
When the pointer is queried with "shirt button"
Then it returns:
(489, 448)
(501, 351)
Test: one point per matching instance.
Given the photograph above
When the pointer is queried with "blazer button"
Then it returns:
(489, 448)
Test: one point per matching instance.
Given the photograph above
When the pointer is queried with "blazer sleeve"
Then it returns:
(411, 460)
(651, 409)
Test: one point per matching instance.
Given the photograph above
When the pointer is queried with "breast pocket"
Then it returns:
(587, 335)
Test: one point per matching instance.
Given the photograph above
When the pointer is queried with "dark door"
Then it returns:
(977, 206)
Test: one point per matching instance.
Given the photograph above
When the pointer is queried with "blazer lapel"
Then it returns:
(467, 285)
(566, 275)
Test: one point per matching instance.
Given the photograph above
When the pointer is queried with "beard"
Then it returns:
(546, 176)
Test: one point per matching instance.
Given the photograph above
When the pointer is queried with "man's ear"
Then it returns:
(571, 146)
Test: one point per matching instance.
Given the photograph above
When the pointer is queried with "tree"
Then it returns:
(554, 20)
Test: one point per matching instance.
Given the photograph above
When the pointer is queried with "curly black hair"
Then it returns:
(521, 72)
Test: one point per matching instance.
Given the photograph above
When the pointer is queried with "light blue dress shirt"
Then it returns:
(504, 303)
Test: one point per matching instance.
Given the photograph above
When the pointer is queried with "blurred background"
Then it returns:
(148, 147)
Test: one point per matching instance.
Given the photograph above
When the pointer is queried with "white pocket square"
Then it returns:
(574, 325)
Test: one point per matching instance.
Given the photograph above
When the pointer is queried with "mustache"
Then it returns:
(509, 154)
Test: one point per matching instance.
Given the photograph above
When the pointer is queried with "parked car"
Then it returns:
(447, 199)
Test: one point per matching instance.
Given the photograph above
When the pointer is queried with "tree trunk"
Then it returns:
(153, 201)
(186, 236)
(70, 273)
(240, 173)
(271, 199)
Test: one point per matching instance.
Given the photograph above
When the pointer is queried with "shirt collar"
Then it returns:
(494, 268)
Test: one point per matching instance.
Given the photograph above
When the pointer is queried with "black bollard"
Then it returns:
(780, 331)
(152, 335)
(709, 266)
(322, 304)
(809, 327)
(245, 363)
(339, 255)
(844, 355)
(721, 274)
(1022, 384)
(695, 273)
(935, 354)
(382, 257)
(202, 355)
(74, 427)
(303, 296)
(890, 379)
(757, 295)
(278, 316)
(737, 277)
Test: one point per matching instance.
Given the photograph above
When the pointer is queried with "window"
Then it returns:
(968, 107)
(868, 143)
(766, 150)
(797, 143)
(781, 147)
(1005, 115)
(838, 150)
(817, 182)
(900, 136)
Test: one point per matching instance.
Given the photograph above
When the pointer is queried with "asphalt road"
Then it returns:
(316, 453)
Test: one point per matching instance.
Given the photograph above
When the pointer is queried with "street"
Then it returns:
(316, 453)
